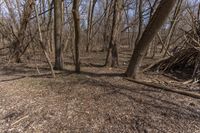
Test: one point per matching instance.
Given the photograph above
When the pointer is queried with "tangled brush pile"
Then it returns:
(185, 61)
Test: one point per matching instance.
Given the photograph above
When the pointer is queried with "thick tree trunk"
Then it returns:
(76, 17)
(58, 34)
(152, 28)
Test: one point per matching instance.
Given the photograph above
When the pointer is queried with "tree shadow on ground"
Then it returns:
(159, 106)
(103, 74)
(170, 108)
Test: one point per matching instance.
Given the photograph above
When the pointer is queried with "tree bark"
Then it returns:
(172, 28)
(58, 34)
(42, 44)
(29, 5)
(112, 54)
(140, 21)
(106, 25)
(90, 23)
(76, 17)
(152, 28)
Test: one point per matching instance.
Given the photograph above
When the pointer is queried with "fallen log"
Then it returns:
(165, 88)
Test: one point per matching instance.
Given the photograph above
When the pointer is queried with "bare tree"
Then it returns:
(112, 55)
(173, 24)
(76, 17)
(90, 23)
(58, 34)
(152, 28)
(42, 44)
(19, 38)
(140, 11)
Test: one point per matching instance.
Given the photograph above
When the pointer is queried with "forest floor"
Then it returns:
(99, 100)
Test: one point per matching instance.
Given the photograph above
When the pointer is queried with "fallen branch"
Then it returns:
(21, 119)
(158, 61)
(165, 88)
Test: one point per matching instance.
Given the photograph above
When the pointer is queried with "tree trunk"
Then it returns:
(140, 12)
(58, 34)
(172, 28)
(106, 24)
(112, 55)
(21, 32)
(90, 23)
(152, 28)
(42, 44)
(76, 17)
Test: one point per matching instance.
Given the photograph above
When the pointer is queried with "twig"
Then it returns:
(19, 120)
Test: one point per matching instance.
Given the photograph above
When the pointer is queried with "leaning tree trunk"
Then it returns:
(58, 34)
(173, 24)
(152, 28)
(76, 17)
(42, 43)
(112, 55)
